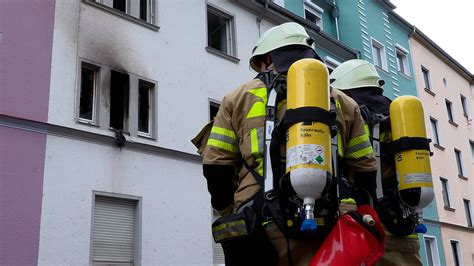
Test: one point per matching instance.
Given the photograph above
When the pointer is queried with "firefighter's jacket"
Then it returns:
(238, 134)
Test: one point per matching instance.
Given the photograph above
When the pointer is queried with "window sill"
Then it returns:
(463, 177)
(86, 122)
(453, 123)
(404, 75)
(430, 92)
(449, 209)
(223, 55)
(439, 146)
(383, 69)
(122, 15)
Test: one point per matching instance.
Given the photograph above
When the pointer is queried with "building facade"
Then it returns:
(445, 87)
(99, 102)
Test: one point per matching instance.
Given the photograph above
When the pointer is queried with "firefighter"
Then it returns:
(233, 155)
(359, 79)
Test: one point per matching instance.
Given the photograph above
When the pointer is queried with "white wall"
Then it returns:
(176, 214)
(174, 57)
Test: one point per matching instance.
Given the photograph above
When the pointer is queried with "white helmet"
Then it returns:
(355, 73)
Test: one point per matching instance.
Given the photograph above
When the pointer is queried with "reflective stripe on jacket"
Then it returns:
(238, 133)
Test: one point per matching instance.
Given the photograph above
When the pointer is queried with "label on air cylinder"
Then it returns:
(415, 180)
(310, 155)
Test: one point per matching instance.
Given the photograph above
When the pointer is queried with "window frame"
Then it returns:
(230, 33)
(471, 143)
(434, 247)
(151, 109)
(213, 104)
(468, 212)
(458, 251)
(465, 107)
(95, 102)
(137, 230)
(383, 55)
(427, 84)
(150, 23)
(449, 110)
(399, 50)
(446, 191)
(316, 11)
(459, 163)
(435, 132)
(331, 63)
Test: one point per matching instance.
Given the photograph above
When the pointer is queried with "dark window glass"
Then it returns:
(143, 10)
(444, 187)
(426, 78)
(86, 104)
(454, 248)
(217, 32)
(213, 109)
(429, 252)
(467, 209)
(459, 161)
(120, 5)
(449, 107)
(119, 93)
(144, 108)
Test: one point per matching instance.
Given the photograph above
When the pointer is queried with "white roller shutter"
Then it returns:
(113, 230)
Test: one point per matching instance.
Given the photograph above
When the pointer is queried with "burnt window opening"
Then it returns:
(213, 109)
(144, 10)
(145, 92)
(120, 5)
(119, 98)
(220, 31)
(88, 85)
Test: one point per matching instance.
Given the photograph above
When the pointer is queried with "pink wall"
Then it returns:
(27, 30)
(25, 71)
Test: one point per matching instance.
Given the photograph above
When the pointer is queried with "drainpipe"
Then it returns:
(336, 18)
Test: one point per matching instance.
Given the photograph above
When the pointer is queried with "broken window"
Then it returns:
(119, 98)
(145, 92)
(88, 92)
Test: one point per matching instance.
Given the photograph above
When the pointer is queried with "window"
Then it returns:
(456, 253)
(378, 53)
(119, 99)
(331, 63)
(313, 13)
(402, 60)
(220, 31)
(445, 192)
(426, 78)
(432, 256)
(140, 9)
(459, 162)
(88, 93)
(213, 109)
(115, 230)
(449, 108)
(465, 109)
(472, 149)
(434, 128)
(467, 209)
(145, 107)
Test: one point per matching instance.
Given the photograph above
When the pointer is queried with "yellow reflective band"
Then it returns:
(412, 236)
(258, 108)
(348, 200)
(280, 104)
(360, 153)
(229, 230)
(338, 104)
(358, 140)
(256, 143)
(222, 145)
(339, 145)
(224, 131)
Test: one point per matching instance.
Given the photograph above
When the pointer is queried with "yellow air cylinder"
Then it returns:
(413, 168)
(308, 148)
